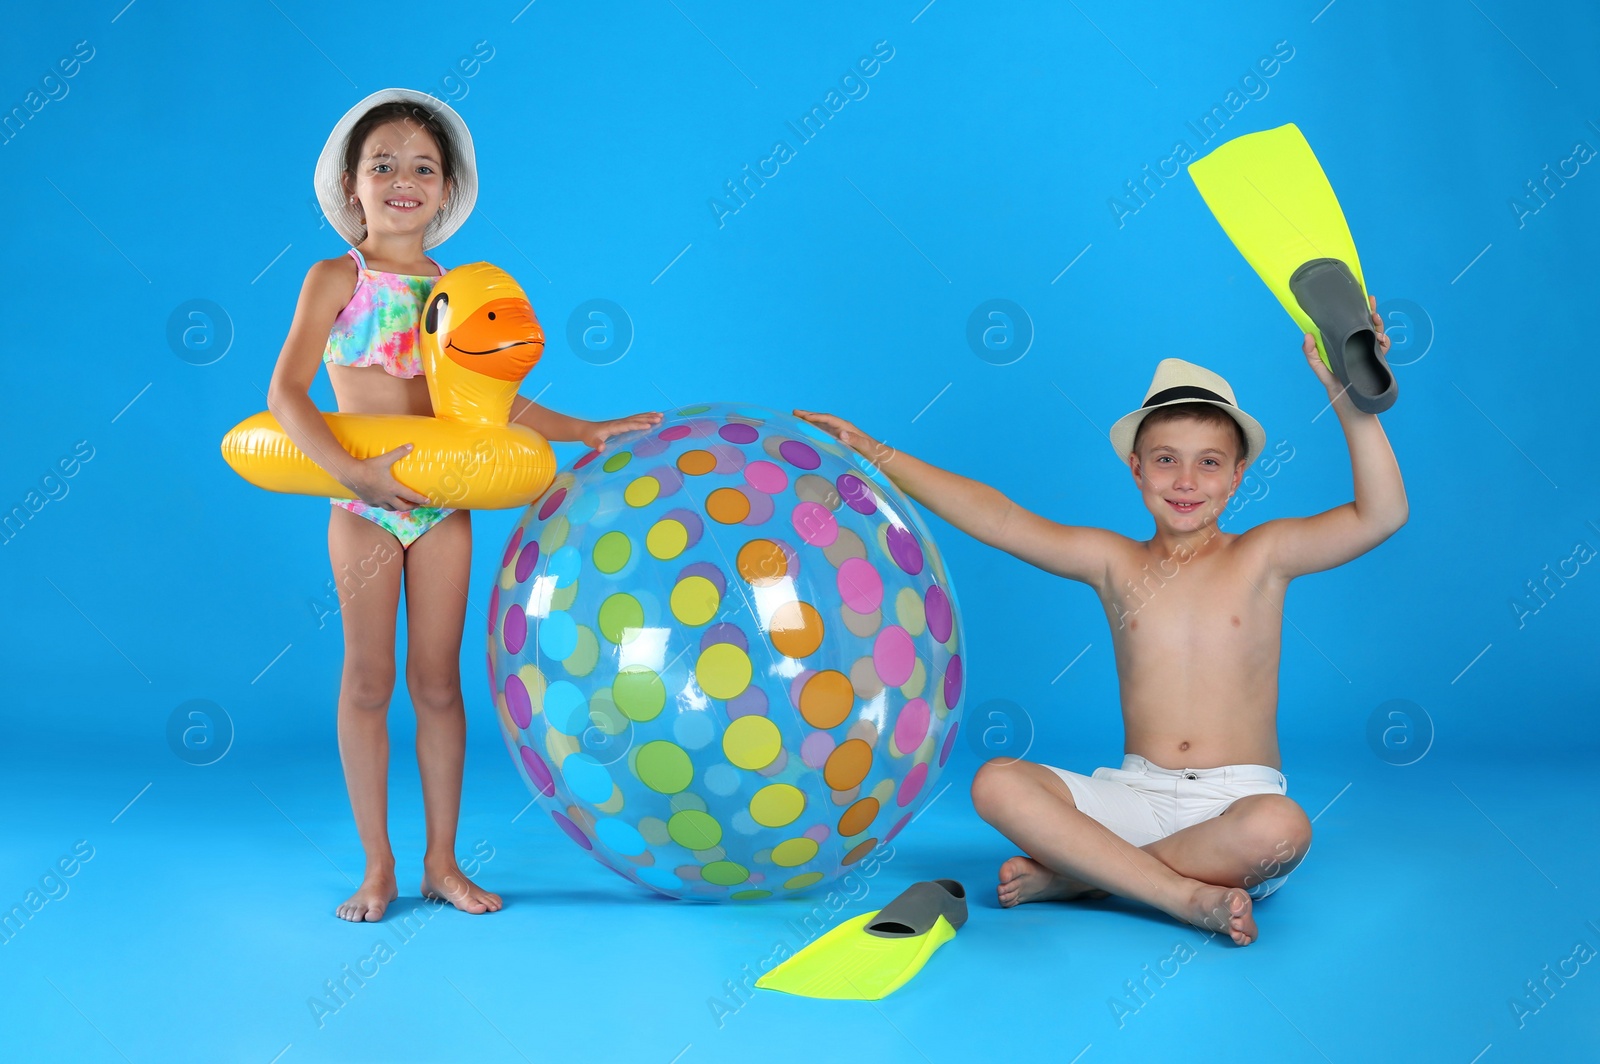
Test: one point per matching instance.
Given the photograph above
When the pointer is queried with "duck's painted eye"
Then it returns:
(491, 315)
(430, 321)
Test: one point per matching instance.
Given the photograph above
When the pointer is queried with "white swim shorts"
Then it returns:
(1142, 802)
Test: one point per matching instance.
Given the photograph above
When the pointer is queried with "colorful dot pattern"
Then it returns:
(725, 655)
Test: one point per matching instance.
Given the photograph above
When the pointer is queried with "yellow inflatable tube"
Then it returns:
(480, 338)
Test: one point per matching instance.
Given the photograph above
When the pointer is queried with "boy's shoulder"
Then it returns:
(1078, 552)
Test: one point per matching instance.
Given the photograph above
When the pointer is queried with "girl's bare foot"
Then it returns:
(1222, 909)
(442, 878)
(1023, 879)
(377, 890)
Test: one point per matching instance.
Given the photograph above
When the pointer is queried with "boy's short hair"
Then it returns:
(1205, 413)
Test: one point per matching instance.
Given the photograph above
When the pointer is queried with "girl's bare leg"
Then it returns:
(437, 570)
(366, 570)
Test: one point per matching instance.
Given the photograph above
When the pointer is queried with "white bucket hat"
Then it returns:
(335, 202)
(1177, 381)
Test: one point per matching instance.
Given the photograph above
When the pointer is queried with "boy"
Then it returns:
(1196, 618)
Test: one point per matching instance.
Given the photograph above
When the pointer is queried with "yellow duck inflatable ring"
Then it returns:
(480, 338)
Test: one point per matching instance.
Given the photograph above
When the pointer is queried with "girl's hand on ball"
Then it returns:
(600, 431)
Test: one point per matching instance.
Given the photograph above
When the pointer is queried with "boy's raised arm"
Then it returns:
(981, 511)
(1300, 545)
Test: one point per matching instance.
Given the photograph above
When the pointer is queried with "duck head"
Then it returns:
(479, 339)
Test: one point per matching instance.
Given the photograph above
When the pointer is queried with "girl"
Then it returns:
(397, 176)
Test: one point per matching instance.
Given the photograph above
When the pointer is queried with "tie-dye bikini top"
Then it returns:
(379, 326)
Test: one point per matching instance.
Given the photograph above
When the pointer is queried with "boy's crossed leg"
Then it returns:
(1256, 838)
(1196, 875)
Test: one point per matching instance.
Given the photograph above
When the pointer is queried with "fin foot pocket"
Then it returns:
(916, 910)
(1330, 295)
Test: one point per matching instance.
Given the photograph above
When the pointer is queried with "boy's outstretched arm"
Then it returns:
(982, 512)
(1300, 545)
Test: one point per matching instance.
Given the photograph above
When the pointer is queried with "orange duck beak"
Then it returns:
(480, 338)
(501, 339)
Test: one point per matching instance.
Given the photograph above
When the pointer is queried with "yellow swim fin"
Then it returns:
(872, 955)
(1273, 200)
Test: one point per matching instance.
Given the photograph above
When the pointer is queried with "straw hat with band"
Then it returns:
(336, 205)
(1177, 381)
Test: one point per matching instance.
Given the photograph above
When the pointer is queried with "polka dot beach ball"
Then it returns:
(726, 656)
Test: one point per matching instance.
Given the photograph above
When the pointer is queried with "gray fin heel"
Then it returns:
(1328, 292)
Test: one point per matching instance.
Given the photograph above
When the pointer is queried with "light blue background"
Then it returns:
(981, 162)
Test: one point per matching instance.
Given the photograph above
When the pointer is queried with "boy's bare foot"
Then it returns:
(370, 900)
(1022, 879)
(1226, 910)
(1222, 909)
(444, 879)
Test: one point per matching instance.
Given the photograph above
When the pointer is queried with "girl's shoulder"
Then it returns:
(329, 287)
(340, 273)
(339, 264)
